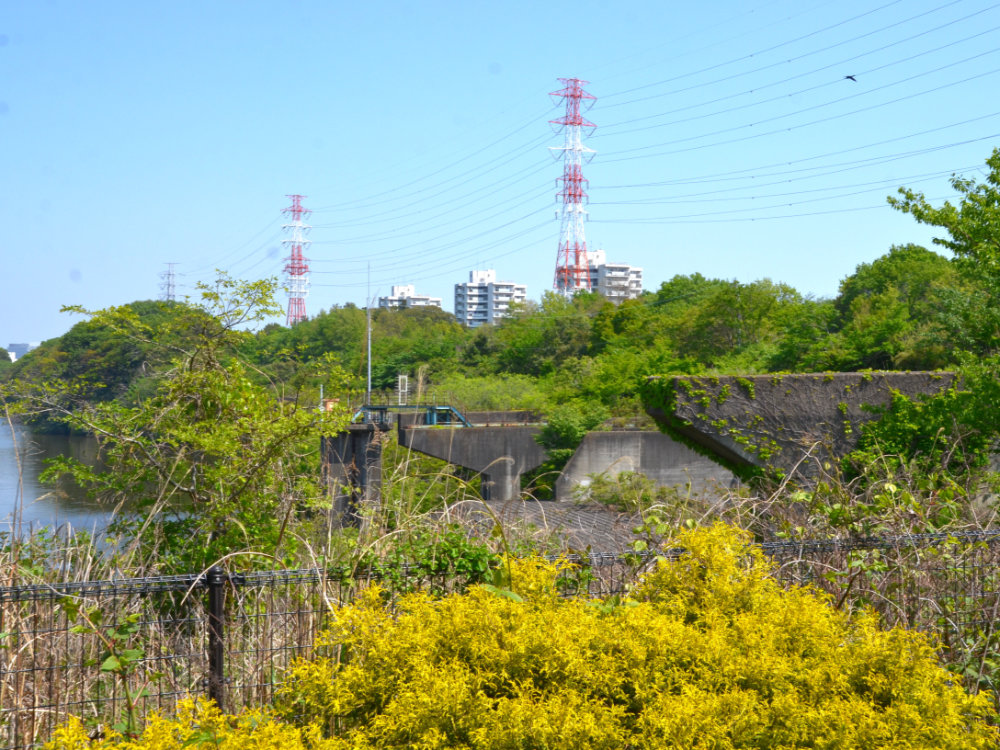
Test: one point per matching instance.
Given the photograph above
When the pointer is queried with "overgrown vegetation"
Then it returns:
(211, 431)
(212, 461)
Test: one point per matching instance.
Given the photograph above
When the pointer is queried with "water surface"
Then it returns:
(27, 503)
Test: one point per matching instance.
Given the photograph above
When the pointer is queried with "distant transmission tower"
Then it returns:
(572, 268)
(168, 283)
(296, 268)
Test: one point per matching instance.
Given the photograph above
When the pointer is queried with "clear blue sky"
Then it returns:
(729, 142)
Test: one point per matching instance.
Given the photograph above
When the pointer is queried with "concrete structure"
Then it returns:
(499, 453)
(406, 296)
(659, 457)
(794, 423)
(483, 299)
(352, 470)
(614, 281)
(791, 422)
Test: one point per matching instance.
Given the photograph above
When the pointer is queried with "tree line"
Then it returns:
(912, 308)
(155, 380)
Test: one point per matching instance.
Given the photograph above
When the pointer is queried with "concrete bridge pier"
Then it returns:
(352, 470)
(500, 480)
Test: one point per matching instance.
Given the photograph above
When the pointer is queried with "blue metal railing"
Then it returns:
(434, 415)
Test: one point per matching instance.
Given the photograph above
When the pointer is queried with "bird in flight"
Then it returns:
(851, 78)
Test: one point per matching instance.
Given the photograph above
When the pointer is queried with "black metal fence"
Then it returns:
(231, 635)
(945, 584)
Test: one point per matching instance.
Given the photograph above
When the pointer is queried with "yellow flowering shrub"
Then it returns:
(199, 724)
(708, 652)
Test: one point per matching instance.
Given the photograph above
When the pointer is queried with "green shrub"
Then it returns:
(953, 432)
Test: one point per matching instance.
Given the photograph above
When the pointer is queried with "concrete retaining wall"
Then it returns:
(661, 458)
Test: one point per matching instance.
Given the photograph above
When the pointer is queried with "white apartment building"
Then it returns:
(484, 299)
(615, 281)
(406, 296)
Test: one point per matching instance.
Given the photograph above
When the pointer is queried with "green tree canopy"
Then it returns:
(535, 341)
(212, 462)
(973, 235)
(736, 316)
(101, 363)
(892, 312)
(914, 271)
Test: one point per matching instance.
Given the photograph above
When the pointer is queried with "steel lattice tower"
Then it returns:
(296, 268)
(168, 285)
(572, 268)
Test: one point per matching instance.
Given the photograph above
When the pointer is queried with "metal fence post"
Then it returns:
(216, 636)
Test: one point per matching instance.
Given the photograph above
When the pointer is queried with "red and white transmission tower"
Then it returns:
(296, 268)
(572, 268)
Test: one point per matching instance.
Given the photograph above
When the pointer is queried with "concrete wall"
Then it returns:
(661, 458)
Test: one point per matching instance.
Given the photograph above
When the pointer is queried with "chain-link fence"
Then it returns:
(107, 650)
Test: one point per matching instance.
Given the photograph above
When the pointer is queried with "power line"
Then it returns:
(718, 216)
(757, 53)
(759, 102)
(757, 172)
(700, 197)
(801, 125)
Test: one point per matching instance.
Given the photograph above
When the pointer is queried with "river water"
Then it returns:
(25, 502)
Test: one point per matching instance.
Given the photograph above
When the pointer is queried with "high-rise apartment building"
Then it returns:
(615, 281)
(406, 296)
(484, 299)
(15, 351)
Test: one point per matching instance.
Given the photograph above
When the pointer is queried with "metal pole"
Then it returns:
(368, 310)
(216, 636)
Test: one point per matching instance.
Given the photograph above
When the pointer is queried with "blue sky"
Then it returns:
(729, 141)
